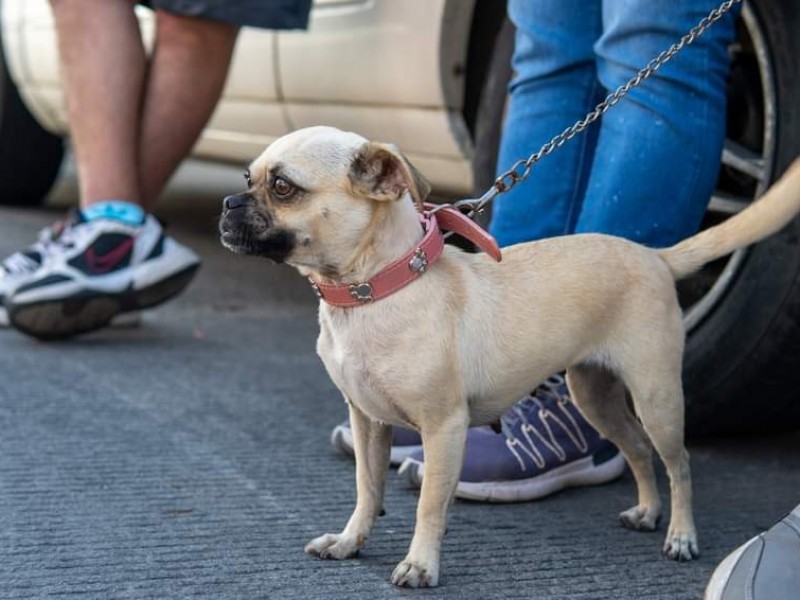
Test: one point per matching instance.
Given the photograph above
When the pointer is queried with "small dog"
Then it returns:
(458, 345)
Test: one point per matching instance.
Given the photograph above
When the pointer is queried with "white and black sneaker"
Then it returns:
(23, 264)
(95, 270)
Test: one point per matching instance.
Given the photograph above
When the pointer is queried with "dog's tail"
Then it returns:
(769, 214)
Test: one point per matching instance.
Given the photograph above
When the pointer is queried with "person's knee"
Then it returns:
(636, 31)
(553, 37)
(194, 32)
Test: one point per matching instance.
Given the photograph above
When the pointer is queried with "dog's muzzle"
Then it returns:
(234, 227)
(245, 229)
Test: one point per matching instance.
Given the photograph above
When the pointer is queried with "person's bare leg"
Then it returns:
(103, 67)
(131, 126)
(187, 73)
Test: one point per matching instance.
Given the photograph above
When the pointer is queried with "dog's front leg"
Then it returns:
(372, 442)
(443, 444)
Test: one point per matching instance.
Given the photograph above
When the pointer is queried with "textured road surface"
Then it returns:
(189, 459)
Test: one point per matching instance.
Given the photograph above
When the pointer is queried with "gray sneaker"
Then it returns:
(765, 568)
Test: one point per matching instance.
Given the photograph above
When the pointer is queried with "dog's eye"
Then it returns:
(247, 179)
(281, 187)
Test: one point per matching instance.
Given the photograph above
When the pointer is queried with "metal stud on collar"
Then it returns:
(361, 292)
(419, 262)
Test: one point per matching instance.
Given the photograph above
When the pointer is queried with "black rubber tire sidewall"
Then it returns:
(491, 111)
(30, 156)
(742, 364)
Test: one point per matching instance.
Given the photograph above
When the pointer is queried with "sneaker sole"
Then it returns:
(578, 473)
(130, 320)
(719, 579)
(342, 440)
(89, 311)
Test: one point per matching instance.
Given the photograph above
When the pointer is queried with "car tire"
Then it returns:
(742, 361)
(30, 156)
(491, 111)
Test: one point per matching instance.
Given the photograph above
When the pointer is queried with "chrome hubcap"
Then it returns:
(745, 172)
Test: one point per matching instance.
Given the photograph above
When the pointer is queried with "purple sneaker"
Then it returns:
(546, 446)
(405, 442)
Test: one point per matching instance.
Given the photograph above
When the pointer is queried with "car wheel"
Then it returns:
(30, 157)
(742, 365)
(742, 313)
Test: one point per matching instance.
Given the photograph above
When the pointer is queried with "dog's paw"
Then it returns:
(333, 546)
(409, 574)
(681, 546)
(640, 518)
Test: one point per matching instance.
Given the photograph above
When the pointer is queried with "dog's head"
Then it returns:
(313, 197)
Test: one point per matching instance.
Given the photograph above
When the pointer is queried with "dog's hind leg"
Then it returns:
(600, 396)
(658, 400)
(372, 442)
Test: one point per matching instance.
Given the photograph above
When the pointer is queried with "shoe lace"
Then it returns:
(550, 393)
(59, 234)
(551, 390)
(18, 263)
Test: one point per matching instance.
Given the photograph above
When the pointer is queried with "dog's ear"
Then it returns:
(381, 172)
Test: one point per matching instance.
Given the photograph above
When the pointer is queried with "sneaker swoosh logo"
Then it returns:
(106, 262)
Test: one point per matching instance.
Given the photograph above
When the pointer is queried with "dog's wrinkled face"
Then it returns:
(311, 196)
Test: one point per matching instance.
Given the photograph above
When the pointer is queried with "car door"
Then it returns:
(249, 115)
(377, 67)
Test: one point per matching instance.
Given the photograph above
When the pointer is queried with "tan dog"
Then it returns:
(458, 346)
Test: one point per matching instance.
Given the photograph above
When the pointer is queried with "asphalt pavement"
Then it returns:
(189, 458)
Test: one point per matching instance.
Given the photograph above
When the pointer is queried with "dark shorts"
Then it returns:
(269, 14)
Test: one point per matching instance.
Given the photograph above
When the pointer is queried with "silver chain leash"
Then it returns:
(522, 168)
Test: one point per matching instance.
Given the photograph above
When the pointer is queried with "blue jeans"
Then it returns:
(647, 171)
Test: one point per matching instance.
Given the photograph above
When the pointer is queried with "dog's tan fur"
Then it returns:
(460, 345)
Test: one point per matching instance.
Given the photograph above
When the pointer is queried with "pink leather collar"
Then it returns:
(414, 263)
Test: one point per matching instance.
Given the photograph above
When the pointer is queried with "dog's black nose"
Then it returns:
(235, 201)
